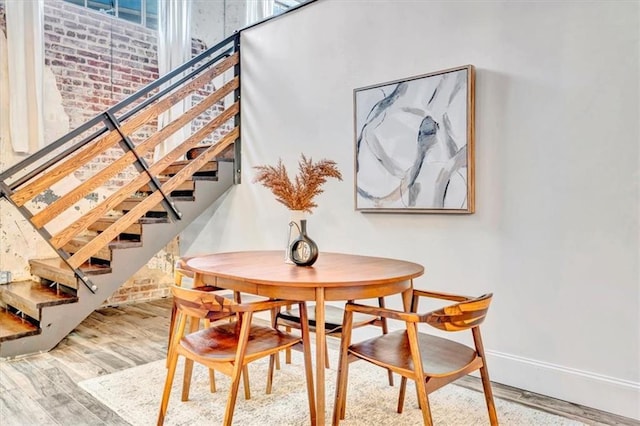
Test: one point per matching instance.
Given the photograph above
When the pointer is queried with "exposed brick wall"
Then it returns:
(98, 60)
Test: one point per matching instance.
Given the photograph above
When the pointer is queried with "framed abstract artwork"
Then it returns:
(414, 144)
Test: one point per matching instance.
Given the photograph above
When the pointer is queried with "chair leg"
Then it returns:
(390, 375)
(339, 406)
(484, 375)
(326, 355)
(423, 401)
(287, 352)
(385, 330)
(238, 367)
(212, 380)
(194, 325)
(245, 383)
(171, 370)
(419, 377)
(274, 325)
(345, 385)
(186, 382)
(233, 394)
(401, 394)
(488, 396)
(272, 362)
(308, 365)
(172, 325)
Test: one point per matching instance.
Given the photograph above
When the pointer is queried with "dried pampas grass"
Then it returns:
(299, 194)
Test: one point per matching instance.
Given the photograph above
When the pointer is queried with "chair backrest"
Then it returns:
(179, 272)
(201, 302)
(461, 316)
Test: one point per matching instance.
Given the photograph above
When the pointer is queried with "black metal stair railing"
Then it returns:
(114, 128)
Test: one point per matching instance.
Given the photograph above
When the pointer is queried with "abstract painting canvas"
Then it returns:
(414, 147)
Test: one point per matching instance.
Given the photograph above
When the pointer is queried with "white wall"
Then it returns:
(555, 235)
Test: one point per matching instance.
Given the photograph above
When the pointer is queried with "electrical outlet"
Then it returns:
(5, 277)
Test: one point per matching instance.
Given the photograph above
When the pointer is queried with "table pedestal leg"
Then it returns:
(320, 355)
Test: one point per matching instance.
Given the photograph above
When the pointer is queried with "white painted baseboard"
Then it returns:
(604, 393)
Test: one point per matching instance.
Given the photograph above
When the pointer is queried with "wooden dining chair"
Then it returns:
(179, 274)
(227, 347)
(431, 361)
(195, 323)
(290, 318)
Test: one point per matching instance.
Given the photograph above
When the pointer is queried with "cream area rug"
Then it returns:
(135, 395)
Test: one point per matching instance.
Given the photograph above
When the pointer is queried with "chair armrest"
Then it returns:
(385, 312)
(183, 272)
(439, 295)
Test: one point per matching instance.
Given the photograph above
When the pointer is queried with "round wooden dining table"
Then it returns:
(333, 277)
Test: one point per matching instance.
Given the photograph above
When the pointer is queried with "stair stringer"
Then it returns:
(58, 321)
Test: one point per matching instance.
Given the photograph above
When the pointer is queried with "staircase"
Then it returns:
(101, 246)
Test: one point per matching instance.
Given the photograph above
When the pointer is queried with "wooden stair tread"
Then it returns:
(206, 177)
(13, 327)
(60, 266)
(187, 185)
(133, 229)
(105, 222)
(56, 270)
(209, 167)
(130, 203)
(177, 198)
(57, 263)
(38, 294)
(80, 241)
(104, 253)
(124, 244)
(30, 296)
(143, 220)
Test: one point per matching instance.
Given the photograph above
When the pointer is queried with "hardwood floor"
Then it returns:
(42, 389)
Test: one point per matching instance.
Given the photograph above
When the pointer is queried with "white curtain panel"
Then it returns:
(25, 57)
(174, 49)
(258, 9)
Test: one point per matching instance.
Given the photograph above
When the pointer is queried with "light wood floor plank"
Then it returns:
(19, 411)
(57, 373)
